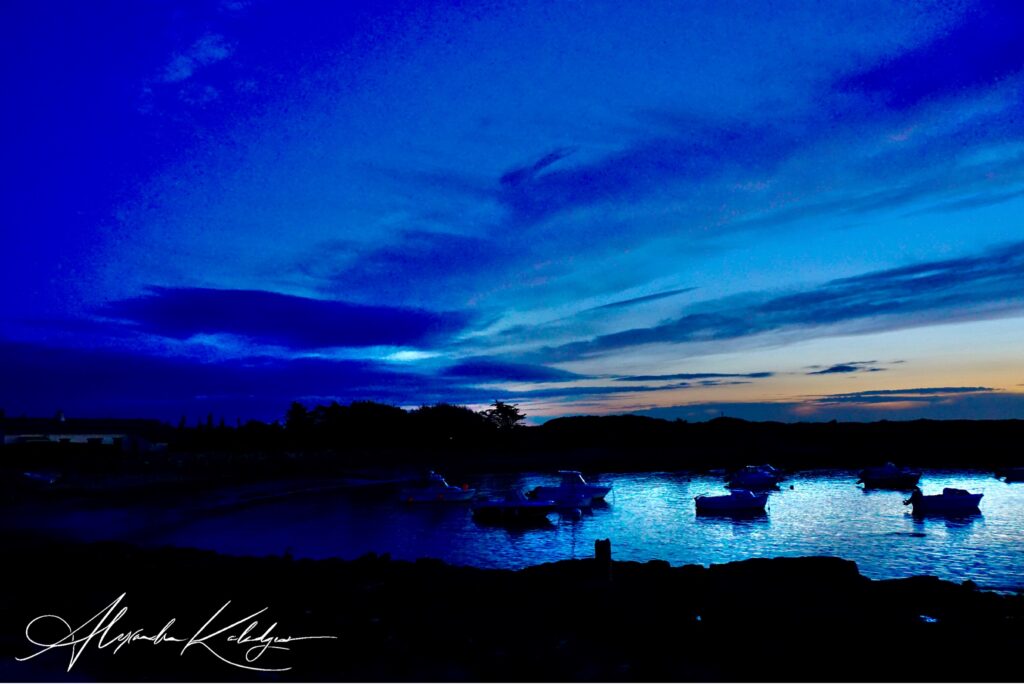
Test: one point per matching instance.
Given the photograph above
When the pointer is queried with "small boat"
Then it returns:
(433, 489)
(572, 488)
(950, 502)
(737, 501)
(754, 478)
(42, 477)
(889, 476)
(1011, 474)
(565, 500)
(37, 481)
(514, 508)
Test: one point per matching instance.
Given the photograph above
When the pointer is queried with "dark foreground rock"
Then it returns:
(784, 619)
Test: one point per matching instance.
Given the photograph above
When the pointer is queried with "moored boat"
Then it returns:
(434, 489)
(1011, 474)
(889, 476)
(950, 502)
(572, 488)
(754, 478)
(737, 501)
(515, 507)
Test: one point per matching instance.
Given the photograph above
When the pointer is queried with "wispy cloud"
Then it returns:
(982, 49)
(975, 202)
(909, 181)
(522, 174)
(642, 300)
(413, 265)
(208, 49)
(988, 284)
(697, 154)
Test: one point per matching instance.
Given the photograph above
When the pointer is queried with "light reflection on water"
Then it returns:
(647, 516)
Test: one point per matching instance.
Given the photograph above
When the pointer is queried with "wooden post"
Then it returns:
(603, 556)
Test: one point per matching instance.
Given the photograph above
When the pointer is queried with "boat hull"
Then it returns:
(513, 514)
(452, 495)
(902, 481)
(754, 478)
(753, 482)
(733, 503)
(947, 505)
(590, 491)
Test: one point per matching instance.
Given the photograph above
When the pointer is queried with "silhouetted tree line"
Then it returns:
(369, 433)
(366, 434)
(362, 426)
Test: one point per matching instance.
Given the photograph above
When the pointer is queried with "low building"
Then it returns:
(131, 435)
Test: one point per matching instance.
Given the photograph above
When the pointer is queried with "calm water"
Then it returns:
(648, 515)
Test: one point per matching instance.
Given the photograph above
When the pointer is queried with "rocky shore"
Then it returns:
(782, 619)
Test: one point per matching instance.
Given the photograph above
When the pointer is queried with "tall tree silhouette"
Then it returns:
(504, 416)
(297, 420)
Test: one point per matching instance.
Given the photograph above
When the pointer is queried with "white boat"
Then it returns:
(434, 489)
(754, 477)
(572, 488)
(888, 476)
(737, 501)
(950, 502)
(514, 508)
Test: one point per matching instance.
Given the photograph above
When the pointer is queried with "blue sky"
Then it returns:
(796, 211)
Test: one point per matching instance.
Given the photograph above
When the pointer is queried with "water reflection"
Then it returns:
(951, 521)
(735, 517)
(647, 516)
(514, 526)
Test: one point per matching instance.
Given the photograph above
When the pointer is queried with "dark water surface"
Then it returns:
(647, 516)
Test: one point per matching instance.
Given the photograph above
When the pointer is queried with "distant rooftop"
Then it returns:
(60, 425)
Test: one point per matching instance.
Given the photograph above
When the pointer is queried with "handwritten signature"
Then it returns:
(240, 643)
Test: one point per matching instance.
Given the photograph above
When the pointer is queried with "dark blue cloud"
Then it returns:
(572, 392)
(486, 369)
(720, 383)
(642, 300)
(91, 382)
(848, 367)
(415, 265)
(692, 376)
(522, 174)
(697, 412)
(38, 380)
(697, 154)
(278, 319)
(964, 406)
(885, 396)
(984, 48)
(991, 283)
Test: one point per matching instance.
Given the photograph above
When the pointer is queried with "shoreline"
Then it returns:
(785, 619)
(73, 483)
(396, 440)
